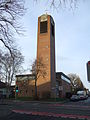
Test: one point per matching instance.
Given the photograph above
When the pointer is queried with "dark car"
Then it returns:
(74, 98)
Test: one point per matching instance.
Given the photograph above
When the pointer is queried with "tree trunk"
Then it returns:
(35, 88)
(36, 97)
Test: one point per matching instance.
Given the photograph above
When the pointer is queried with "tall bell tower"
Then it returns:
(46, 50)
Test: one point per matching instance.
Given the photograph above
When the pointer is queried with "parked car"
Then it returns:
(83, 97)
(74, 98)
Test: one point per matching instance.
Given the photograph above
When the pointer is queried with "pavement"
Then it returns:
(16, 116)
(6, 106)
(50, 114)
(42, 110)
(4, 109)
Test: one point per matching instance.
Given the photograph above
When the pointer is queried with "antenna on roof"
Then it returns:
(46, 11)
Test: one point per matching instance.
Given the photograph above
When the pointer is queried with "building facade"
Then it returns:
(25, 85)
(3, 89)
(63, 85)
(46, 51)
(53, 85)
(88, 71)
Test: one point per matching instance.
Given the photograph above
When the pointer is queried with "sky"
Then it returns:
(72, 36)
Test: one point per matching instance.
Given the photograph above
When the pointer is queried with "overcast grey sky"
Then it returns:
(72, 36)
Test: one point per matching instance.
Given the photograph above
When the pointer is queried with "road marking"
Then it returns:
(51, 114)
(75, 106)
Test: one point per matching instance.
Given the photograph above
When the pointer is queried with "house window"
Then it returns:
(26, 91)
(20, 91)
(43, 27)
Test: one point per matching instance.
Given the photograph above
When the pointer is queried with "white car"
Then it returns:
(83, 97)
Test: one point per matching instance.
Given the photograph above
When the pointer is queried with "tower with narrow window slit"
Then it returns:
(46, 51)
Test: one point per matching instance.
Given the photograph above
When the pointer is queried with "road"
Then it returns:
(21, 110)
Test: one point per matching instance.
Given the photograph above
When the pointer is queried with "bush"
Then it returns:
(68, 95)
(24, 98)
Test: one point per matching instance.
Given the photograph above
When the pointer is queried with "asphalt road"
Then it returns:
(16, 116)
(21, 110)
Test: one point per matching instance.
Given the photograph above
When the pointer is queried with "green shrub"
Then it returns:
(24, 98)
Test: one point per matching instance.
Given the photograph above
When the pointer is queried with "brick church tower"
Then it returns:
(46, 50)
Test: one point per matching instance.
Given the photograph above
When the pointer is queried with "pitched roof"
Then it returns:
(61, 73)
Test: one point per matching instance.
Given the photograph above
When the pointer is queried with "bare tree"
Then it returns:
(10, 11)
(38, 70)
(61, 3)
(76, 82)
(10, 67)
